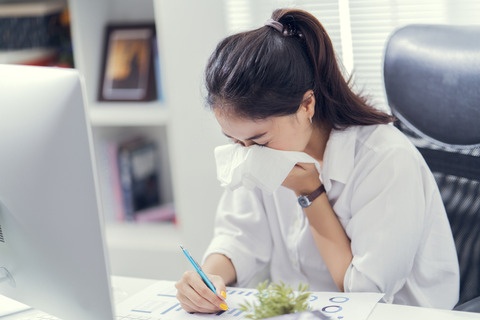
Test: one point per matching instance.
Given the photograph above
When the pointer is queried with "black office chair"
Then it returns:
(432, 82)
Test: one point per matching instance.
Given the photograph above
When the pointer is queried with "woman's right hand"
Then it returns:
(195, 296)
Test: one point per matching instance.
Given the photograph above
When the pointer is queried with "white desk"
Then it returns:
(127, 286)
(123, 287)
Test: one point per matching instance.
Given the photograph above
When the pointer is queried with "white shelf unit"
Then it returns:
(143, 244)
(145, 114)
(184, 130)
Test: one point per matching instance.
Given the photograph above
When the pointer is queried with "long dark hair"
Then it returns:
(266, 72)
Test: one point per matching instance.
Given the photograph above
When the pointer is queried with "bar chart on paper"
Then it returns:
(159, 302)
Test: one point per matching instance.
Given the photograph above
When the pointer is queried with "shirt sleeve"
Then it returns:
(388, 216)
(242, 233)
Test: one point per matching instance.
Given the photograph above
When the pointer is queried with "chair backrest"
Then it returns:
(432, 82)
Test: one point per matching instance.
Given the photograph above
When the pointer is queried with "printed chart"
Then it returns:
(159, 302)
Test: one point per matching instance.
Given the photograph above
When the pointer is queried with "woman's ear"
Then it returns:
(308, 104)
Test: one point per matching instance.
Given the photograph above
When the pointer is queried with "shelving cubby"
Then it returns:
(184, 130)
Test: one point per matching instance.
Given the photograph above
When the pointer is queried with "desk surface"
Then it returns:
(124, 287)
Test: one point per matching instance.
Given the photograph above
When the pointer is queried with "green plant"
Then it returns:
(277, 299)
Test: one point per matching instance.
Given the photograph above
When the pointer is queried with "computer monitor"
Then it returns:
(52, 250)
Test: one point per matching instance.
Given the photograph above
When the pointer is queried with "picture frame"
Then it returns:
(128, 64)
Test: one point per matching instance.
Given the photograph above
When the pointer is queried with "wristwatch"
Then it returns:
(306, 201)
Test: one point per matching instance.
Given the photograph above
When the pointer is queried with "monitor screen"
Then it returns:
(52, 251)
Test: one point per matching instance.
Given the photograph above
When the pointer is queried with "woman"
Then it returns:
(374, 219)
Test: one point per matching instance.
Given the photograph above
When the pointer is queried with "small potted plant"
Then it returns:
(277, 299)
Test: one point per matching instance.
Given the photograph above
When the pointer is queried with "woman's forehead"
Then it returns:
(240, 127)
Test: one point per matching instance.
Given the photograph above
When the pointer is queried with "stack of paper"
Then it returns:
(159, 302)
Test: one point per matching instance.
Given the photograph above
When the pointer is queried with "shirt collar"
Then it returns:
(338, 159)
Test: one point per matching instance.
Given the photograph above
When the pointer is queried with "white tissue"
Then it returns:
(256, 166)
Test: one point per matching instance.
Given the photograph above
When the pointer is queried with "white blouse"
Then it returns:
(388, 203)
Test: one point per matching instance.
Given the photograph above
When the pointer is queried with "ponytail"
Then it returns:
(265, 72)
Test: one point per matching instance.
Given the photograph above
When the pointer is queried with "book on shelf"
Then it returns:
(35, 33)
(157, 65)
(113, 199)
(135, 179)
(30, 24)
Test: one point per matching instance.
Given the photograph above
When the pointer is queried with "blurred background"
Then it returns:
(159, 141)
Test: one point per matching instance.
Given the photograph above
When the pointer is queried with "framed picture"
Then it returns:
(128, 69)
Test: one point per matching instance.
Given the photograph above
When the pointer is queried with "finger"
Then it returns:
(190, 306)
(306, 165)
(220, 286)
(204, 291)
(192, 302)
(188, 297)
(299, 165)
(199, 296)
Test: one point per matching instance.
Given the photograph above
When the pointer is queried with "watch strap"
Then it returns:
(316, 193)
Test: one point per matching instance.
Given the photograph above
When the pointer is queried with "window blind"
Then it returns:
(372, 22)
(244, 15)
(367, 27)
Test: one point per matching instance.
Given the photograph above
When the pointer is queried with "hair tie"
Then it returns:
(275, 25)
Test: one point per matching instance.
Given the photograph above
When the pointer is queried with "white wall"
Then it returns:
(188, 32)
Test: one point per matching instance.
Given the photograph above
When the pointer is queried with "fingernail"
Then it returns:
(223, 294)
(223, 306)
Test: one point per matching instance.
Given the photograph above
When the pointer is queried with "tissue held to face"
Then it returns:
(288, 133)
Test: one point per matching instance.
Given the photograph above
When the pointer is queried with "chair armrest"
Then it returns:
(469, 306)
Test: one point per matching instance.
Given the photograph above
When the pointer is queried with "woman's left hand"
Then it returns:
(303, 179)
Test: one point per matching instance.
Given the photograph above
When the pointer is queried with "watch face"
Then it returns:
(303, 201)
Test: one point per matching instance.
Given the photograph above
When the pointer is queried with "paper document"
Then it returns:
(9, 306)
(159, 301)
